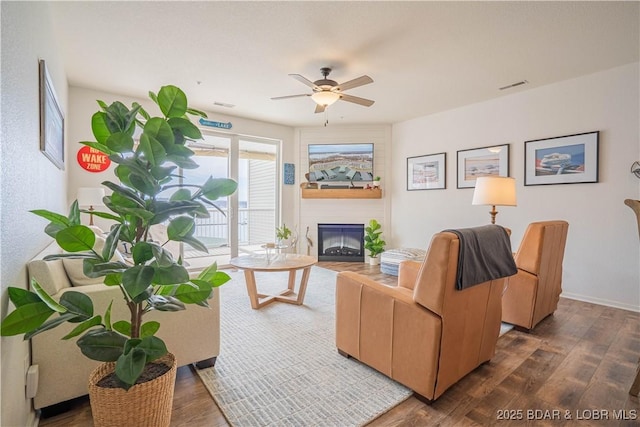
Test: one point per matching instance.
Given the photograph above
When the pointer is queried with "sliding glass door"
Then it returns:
(246, 220)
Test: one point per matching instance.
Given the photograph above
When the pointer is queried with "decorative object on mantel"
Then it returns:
(494, 191)
(153, 280)
(376, 181)
(373, 242)
(51, 120)
(570, 159)
(486, 161)
(635, 169)
(91, 197)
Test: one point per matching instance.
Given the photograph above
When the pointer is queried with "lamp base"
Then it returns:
(493, 213)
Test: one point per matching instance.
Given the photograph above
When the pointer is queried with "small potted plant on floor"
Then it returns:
(373, 242)
(148, 192)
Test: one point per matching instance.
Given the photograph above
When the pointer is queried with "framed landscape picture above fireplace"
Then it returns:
(340, 162)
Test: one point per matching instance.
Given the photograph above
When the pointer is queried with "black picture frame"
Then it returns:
(428, 172)
(568, 159)
(485, 161)
(51, 119)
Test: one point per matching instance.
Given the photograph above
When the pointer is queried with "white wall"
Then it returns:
(83, 105)
(602, 263)
(342, 211)
(28, 179)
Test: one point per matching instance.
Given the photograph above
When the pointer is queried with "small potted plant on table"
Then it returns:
(373, 242)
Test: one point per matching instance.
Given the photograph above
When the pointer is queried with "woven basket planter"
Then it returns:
(146, 405)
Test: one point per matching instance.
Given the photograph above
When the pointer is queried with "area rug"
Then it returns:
(279, 366)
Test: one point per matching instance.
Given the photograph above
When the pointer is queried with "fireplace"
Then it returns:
(341, 242)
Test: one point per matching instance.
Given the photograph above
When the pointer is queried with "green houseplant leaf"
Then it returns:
(152, 280)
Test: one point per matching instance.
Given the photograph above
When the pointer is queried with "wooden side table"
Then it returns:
(280, 262)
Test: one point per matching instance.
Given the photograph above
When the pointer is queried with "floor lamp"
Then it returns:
(495, 191)
(91, 197)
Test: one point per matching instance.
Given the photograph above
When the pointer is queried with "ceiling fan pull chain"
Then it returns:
(326, 117)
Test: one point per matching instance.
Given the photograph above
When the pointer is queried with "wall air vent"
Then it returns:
(520, 83)
(223, 104)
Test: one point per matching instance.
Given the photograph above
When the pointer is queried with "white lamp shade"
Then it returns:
(88, 196)
(495, 191)
(325, 97)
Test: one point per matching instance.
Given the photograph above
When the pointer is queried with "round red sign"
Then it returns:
(93, 160)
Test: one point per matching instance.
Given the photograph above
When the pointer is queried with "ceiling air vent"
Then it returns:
(520, 83)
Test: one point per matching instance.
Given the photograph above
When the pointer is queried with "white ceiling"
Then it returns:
(424, 57)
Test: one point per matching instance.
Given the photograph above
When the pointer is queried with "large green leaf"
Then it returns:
(74, 214)
(76, 238)
(172, 101)
(137, 279)
(46, 298)
(19, 296)
(77, 303)
(215, 188)
(123, 327)
(193, 295)
(159, 130)
(120, 142)
(100, 147)
(99, 127)
(183, 162)
(149, 329)
(25, 318)
(181, 227)
(144, 184)
(127, 194)
(50, 324)
(142, 252)
(194, 243)
(87, 324)
(152, 150)
(111, 243)
(55, 218)
(181, 194)
(102, 345)
(185, 127)
(171, 275)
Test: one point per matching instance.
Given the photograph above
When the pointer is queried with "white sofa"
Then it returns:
(192, 335)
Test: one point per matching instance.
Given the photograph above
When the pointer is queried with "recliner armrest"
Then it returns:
(408, 273)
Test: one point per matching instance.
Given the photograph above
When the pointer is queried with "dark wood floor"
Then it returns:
(578, 363)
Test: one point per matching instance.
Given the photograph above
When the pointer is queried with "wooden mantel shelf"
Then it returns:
(340, 193)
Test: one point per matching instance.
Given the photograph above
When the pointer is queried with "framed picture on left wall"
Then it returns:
(51, 119)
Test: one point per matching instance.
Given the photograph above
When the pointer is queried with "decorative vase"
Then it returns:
(376, 183)
(374, 260)
(147, 404)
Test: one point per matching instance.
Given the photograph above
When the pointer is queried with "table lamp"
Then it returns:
(91, 197)
(495, 191)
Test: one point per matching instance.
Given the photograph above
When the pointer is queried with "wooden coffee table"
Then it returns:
(280, 262)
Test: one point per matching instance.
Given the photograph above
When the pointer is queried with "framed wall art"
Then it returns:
(486, 161)
(289, 171)
(51, 120)
(426, 172)
(569, 159)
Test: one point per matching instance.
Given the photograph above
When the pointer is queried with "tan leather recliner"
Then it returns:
(533, 293)
(423, 333)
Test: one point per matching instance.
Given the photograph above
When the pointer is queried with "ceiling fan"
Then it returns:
(326, 91)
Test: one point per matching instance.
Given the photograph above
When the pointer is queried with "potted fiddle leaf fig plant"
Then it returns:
(373, 242)
(148, 193)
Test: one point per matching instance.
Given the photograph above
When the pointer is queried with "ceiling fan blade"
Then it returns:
(275, 98)
(360, 81)
(356, 100)
(305, 81)
(320, 108)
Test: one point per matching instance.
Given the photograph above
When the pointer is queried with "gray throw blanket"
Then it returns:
(485, 254)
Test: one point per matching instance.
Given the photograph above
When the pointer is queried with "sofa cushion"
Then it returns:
(50, 275)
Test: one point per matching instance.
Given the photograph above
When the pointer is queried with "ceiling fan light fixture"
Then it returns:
(325, 98)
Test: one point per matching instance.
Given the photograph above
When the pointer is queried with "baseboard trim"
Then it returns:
(600, 301)
(34, 419)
